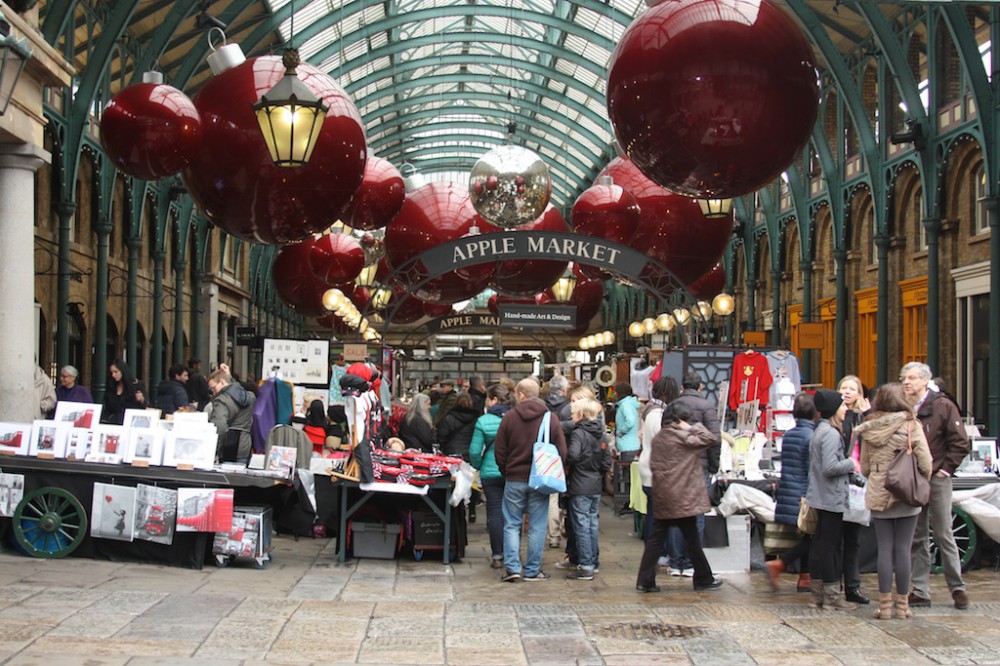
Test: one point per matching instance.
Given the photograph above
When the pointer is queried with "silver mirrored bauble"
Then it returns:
(510, 186)
(373, 243)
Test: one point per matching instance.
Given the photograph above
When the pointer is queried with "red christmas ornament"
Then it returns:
(493, 304)
(336, 258)
(151, 130)
(709, 285)
(606, 211)
(713, 98)
(295, 284)
(360, 296)
(232, 178)
(587, 297)
(435, 310)
(410, 310)
(380, 196)
(433, 214)
(530, 276)
(673, 229)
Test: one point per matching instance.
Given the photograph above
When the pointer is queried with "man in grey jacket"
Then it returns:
(231, 409)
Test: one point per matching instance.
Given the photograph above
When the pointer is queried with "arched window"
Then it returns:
(871, 232)
(980, 217)
(917, 210)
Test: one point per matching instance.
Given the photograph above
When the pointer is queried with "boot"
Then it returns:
(832, 599)
(884, 610)
(804, 583)
(774, 569)
(903, 611)
(816, 593)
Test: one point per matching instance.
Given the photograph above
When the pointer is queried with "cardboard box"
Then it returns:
(378, 541)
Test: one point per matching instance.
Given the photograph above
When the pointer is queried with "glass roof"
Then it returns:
(438, 82)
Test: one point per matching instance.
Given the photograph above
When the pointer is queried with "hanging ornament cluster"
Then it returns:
(433, 214)
(296, 284)
(380, 196)
(607, 211)
(151, 130)
(510, 186)
(232, 177)
(713, 98)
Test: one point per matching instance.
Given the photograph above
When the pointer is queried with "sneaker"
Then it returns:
(541, 575)
(961, 599)
(687, 573)
(676, 573)
(917, 601)
(566, 564)
(663, 561)
(496, 564)
(511, 576)
(580, 574)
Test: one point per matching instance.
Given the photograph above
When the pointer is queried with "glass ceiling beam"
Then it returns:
(152, 51)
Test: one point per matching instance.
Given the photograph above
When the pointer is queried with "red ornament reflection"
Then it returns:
(607, 211)
(433, 214)
(295, 284)
(232, 178)
(673, 230)
(709, 285)
(435, 310)
(530, 276)
(151, 130)
(713, 98)
(336, 258)
(380, 196)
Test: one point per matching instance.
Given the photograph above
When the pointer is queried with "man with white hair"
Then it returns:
(949, 445)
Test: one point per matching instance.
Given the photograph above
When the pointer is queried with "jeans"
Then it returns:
(493, 489)
(654, 546)
(583, 510)
(937, 516)
(518, 498)
(554, 529)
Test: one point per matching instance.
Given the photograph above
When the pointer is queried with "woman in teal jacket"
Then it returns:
(626, 421)
(498, 401)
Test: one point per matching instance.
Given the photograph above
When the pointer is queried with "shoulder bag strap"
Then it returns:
(543, 429)
(909, 437)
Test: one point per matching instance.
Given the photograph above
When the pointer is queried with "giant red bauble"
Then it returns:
(530, 276)
(709, 285)
(380, 196)
(607, 211)
(433, 214)
(587, 297)
(232, 178)
(336, 258)
(151, 130)
(713, 98)
(673, 230)
(408, 311)
(295, 284)
(435, 310)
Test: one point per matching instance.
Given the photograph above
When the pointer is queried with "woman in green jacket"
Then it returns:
(498, 401)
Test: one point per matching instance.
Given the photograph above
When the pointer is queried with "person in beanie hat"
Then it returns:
(829, 481)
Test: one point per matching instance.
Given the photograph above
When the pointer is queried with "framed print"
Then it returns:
(79, 442)
(155, 513)
(14, 438)
(190, 448)
(48, 438)
(282, 458)
(11, 493)
(204, 510)
(140, 418)
(82, 414)
(108, 444)
(112, 514)
(145, 447)
(185, 418)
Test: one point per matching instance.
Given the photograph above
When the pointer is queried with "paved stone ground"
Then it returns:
(307, 608)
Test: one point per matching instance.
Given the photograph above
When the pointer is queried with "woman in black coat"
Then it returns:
(416, 428)
(456, 428)
(123, 392)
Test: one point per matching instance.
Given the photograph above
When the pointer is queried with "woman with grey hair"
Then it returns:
(416, 429)
(69, 390)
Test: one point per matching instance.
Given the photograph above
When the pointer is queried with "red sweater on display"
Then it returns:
(752, 374)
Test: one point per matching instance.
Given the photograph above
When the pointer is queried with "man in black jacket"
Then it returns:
(171, 394)
(197, 385)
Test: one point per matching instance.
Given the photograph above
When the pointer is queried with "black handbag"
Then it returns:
(903, 478)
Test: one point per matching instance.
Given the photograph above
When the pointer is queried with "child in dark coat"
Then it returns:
(588, 458)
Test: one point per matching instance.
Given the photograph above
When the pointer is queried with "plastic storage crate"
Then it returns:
(378, 541)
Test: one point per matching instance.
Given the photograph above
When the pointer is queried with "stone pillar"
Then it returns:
(18, 164)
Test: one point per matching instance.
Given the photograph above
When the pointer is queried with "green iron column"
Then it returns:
(840, 324)
(131, 309)
(993, 398)
(776, 308)
(156, 356)
(196, 350)
(101, 360)
(882, 318)
(805, 366)
(179, 267)
(933, 227)
(65, 210)
(751, 285)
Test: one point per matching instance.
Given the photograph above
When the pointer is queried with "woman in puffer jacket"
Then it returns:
(498, 401)
(884, 433)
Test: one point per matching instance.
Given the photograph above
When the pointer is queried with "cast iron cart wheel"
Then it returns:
(965, 539)
(49, 523)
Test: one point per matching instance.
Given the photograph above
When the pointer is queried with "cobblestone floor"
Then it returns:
(309, 609)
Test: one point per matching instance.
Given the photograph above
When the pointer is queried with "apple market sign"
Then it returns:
(484, 248)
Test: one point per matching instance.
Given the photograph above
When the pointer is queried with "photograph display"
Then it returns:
(14, 438)
(112, 514)
(11, 493)
(145, 446)
(108, 444)
(155, 513)
(204, 510)
(48, 438)
(81, 414)
(190, 446)
(298, 361)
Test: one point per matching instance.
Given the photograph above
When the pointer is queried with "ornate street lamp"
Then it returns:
(712, 208)
(13, 56)
(564, 287)
(290, 116)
